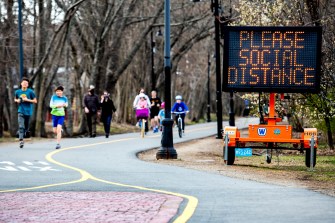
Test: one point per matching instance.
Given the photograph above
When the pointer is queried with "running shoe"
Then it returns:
(58, 146)
(21, 144)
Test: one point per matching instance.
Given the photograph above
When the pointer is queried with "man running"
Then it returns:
(24, 97)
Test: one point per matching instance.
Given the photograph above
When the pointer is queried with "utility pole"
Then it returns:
(218, 70)
(167, 151)
(153, 77)
(20, 40)
(208, 88)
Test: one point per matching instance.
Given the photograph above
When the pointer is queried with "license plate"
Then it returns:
(243, 152)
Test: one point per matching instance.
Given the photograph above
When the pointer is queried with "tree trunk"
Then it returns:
(329, 133)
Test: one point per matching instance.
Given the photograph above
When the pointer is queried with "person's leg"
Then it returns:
(56, 120)
(20, 119)
(146, 125)
(26, 125)
(156, 122)
(94, 125)
(176, 118)
(152, 120)
(183, 121)
(103, 119)
(108, 125)
(59, 133)
(54, 124)
(89, 123)
(59, 128)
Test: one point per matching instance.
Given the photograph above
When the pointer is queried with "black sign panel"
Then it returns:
(272, 59)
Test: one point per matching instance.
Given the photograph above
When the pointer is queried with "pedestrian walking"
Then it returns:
(58, 103)
(25, 98)
(91, 103)
(107, 110)
(154, 110)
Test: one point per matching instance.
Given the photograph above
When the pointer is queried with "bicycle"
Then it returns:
(142, 116)
(180, 123)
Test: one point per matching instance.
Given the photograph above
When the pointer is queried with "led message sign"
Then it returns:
(272, 59)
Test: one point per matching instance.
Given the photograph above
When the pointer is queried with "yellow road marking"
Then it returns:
(184, 217)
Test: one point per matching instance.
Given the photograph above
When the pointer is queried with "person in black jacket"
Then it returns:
(91, 103)
(107, 110)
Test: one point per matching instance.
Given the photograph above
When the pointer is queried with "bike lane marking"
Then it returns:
(184, 216)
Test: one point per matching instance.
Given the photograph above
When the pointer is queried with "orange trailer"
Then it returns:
(271, 136)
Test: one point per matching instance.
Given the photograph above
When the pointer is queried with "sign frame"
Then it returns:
(285, 88)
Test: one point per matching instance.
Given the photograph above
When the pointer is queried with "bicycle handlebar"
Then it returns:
(177, 113)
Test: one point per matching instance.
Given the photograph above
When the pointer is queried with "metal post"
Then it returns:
(312, 153)
(20, 40)
(218, 70)
(226, 148)
(231, 110)
(167, 151)
(208, 89)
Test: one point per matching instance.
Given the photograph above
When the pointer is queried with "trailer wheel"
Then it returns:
(308, 157)
(231, 156)
(268, 155)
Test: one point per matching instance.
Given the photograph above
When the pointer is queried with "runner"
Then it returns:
(58, 103)
(24, 97)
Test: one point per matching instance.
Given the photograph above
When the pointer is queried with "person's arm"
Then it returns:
(85, 102)
(16, 98)
(31, 95)
(185, 107)
(113, 106)
(173, 107)
(97, 102)
(66, 104)
(34, 100)
(135, 101)
(159, 103)
(148, 101)
(52, 104)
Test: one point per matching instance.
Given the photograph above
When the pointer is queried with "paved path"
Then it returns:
(101, 180)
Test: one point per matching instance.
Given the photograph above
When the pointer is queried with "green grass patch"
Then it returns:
(324, 169)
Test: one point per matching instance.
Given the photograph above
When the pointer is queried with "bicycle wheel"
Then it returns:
(142, 127)
(180, 128)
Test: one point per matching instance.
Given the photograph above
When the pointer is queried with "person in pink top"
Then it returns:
(143, 104)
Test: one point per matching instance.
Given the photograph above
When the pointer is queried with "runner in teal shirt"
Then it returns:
(58, 103)
(24, 97)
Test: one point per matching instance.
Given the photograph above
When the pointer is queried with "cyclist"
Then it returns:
(137, 98)
(142, 109)
(180, 106)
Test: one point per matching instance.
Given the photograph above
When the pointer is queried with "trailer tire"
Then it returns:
(268, 155)
(231, 156)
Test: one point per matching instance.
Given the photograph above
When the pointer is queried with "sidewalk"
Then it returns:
(78, 207)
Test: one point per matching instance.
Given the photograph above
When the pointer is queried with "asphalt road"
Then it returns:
(101, 165)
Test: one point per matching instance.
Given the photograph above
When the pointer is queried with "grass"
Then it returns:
(324, 170)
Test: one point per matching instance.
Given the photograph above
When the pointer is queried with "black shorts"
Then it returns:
(154, 112)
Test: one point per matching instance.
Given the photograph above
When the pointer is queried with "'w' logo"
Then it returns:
(261, 131)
